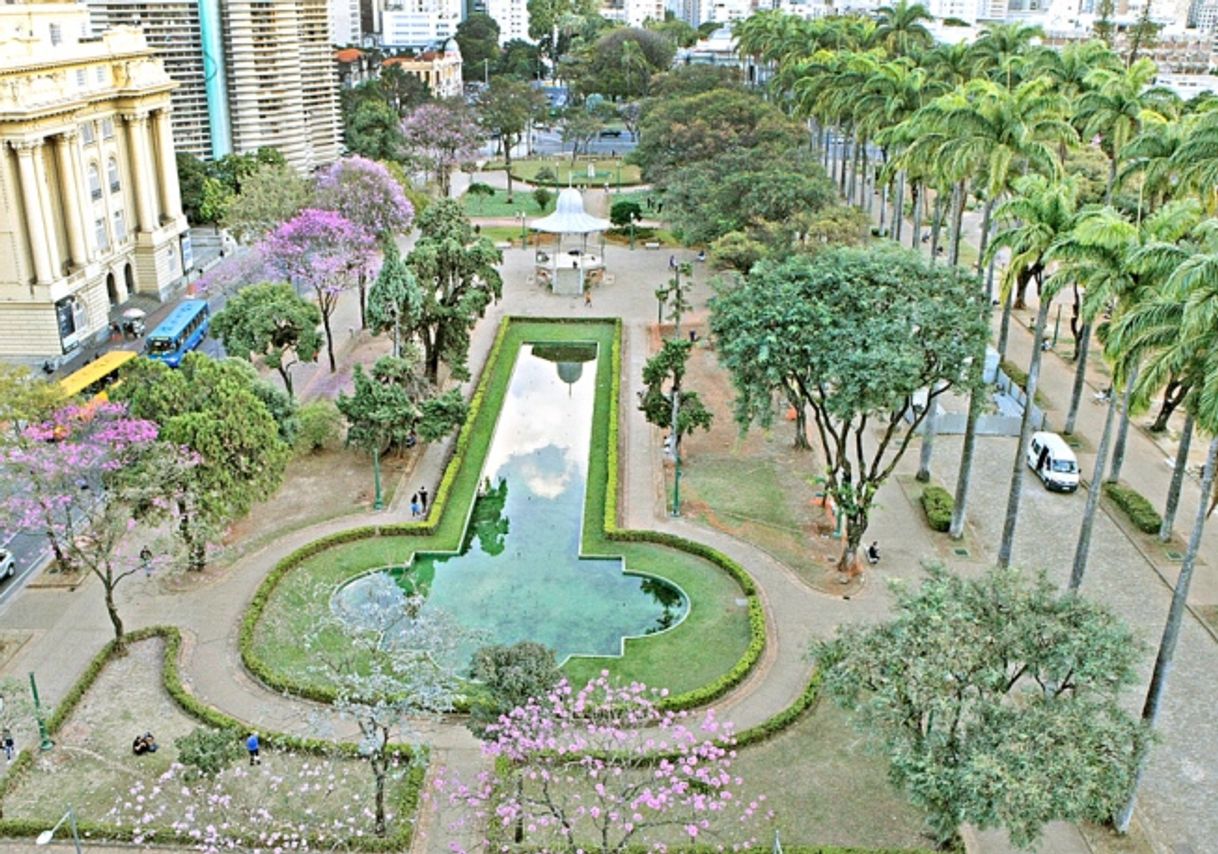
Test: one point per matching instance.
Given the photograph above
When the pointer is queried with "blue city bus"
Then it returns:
(178, 334)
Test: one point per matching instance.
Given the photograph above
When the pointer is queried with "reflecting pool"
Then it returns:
(518, 575)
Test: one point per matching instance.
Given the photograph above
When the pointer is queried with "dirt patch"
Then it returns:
(757, 487)
(55, 578)
(11, 641)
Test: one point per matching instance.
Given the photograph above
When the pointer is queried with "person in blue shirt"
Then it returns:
(252, 745)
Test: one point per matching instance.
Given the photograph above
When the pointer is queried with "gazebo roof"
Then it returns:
(569, 216)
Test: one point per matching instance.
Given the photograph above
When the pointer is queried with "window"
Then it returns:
(94, 182)
(120, 227)
(81, 79)
(107, 128)
(112, 175)
(100, 74)
(86, 133)
(103, 237)
(56, 34)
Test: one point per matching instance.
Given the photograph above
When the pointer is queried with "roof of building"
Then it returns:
(349, 54)
(569, 216)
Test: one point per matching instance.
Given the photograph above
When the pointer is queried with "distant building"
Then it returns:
(252, 72)
(633, 13)
(418, 23)
(89, 204)
(440, 69)
(512, 16)
(354, 67)
(345, 22)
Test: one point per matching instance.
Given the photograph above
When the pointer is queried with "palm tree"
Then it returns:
(1116, 107)
(1040, 214)
(900, 29)
(1152, 160)
(1002, 49)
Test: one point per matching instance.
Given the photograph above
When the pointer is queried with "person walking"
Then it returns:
(423, 497)
(414, 506)
(146, 561)
(6, 738)
(253, 745)
(587, 297)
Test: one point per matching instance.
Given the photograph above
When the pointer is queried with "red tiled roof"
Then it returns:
(349, 54)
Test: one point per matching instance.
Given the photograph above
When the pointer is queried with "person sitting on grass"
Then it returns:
(145, 743)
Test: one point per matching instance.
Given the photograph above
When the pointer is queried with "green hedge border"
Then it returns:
(1136, 507)
(406, 804)
(937, 505)
(686, 700)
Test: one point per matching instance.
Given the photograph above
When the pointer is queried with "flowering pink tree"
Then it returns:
(324, 250)
(364, 192)
(440, 136)
(604, 768)
(244, 267)
(88, 477)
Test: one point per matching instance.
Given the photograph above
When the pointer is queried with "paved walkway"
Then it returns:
(68, 626)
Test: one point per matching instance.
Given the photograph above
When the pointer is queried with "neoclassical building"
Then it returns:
(89, 205)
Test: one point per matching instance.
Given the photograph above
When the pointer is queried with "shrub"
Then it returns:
(938, 504)
(545, 175)
(321, 427)
(1134, 505)
(1020, 377)
(543, 197)
(206, 752)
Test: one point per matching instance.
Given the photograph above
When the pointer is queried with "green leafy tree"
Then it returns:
(372, 129)
(736, 251)
(206, 752)
(395, 300)
(214, 201)
(683, 81)
(543, 196)
(191, 173)
(852, 335)
(506, 108)
(996, 701)
(321, 426)
(458, 272)
(213, 408)
(478, 38)
(619, 64)
(900, 28)
(677, 30)
(579, 127)
(663, 380)
(24, 399)
(271, 321)
(480, 191)
(402, 90)
(623, 212)
(519, 59)
(510, 676)
(270, 195)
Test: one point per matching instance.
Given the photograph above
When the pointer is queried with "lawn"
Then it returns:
(497, 205)
(707, 644)
(608, 169)
(93, 768)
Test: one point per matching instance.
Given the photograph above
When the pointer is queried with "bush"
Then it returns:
(543, 197)
(1134, 505)
(1020, 377)
(206, 752)
(321, 427)
(938, 504)
(545, 175)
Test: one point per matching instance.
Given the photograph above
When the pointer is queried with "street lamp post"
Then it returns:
(676, 291)
(378, 502)
(46, 836)
(44, 737)
(524, 233)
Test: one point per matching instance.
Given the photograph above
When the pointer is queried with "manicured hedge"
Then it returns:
(1135, 505)
(938, 504)
(1020, 377)
(408, 793)
(689, 699)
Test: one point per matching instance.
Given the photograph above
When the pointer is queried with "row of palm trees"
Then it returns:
(926, 130)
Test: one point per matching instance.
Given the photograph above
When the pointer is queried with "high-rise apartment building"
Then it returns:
(418, 23)
(345, 22)
(512, 16)
(89, 204)
(252, 73)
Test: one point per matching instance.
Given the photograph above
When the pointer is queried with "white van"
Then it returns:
(1053, 461)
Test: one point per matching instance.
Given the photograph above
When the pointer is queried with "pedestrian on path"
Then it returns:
(6, 738)
(252, 744)
(423, 497)
(414, 506)
(588, 297)
(146, 561)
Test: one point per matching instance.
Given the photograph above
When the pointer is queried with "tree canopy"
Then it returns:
(271, 321)
(478, 38)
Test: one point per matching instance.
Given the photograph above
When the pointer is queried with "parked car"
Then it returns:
(1053, 461)
(7, 566)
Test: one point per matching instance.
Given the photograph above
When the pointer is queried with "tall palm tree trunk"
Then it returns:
(987, 214)
(1177, 478)
(1080, 371)
(883, 205)
(957, 221)
(1025, 430)
(1171, 631)
(1118, 452)
(918, 193)
(936, 224)
(1004, 328)
(976, 401)
(898, 210)
(1083, 546)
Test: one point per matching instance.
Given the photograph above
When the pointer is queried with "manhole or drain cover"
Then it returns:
(1175, 556)
(960, 552)
(740, 603)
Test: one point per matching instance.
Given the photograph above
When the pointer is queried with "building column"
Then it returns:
(140, 158)
(167, 172)
(48, 211)
(32, 199)
(86, 200)
(69, 193)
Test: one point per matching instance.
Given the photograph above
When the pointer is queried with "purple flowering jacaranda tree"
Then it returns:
(604, 769)
(88, 478)
(325, 251)
(440, 136)
(364, 192)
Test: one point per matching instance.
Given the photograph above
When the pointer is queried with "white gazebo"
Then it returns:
(569, 269)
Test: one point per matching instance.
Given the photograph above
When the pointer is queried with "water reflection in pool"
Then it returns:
(518, 575)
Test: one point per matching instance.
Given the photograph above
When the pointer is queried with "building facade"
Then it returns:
(345, 22)
(89, 204)
(512, 16)
(439, 69)
(418, 23)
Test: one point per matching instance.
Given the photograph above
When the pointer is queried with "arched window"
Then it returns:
(112, 175)
(94, 182)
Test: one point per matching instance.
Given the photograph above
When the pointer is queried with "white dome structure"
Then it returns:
(570, 271)
(569, 216)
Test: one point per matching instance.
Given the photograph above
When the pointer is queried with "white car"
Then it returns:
(1053, 461)
(7, 567)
